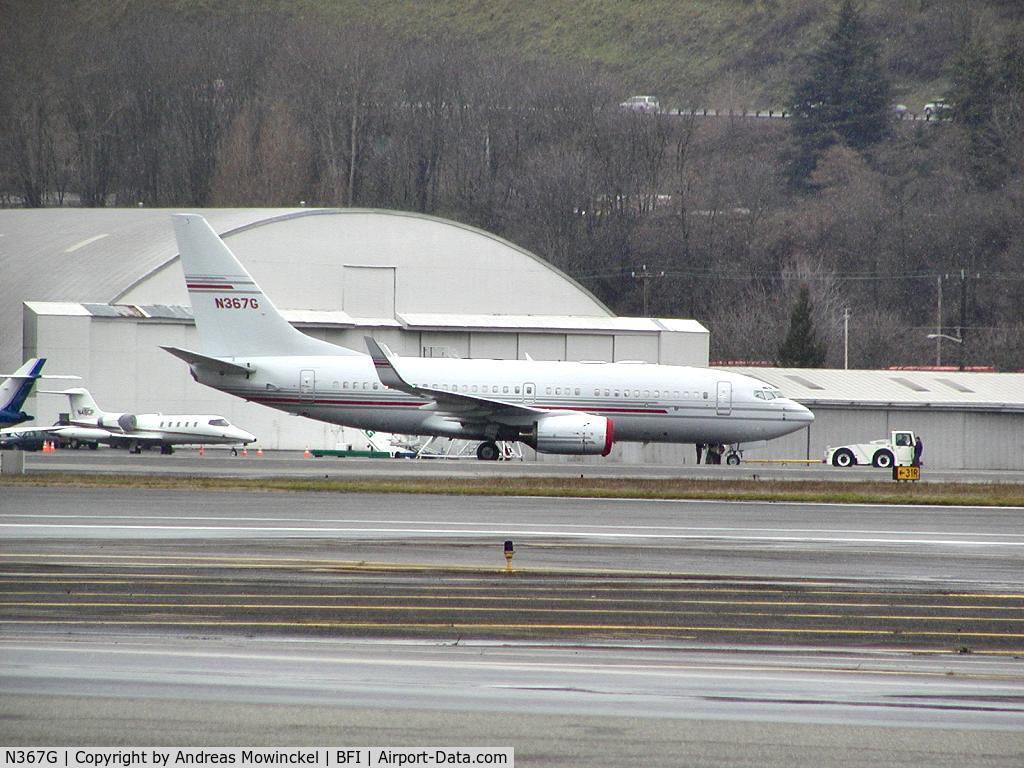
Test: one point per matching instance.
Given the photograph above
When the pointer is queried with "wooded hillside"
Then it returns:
(510, 122)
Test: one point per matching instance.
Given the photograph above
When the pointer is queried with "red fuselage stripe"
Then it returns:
(283, 400)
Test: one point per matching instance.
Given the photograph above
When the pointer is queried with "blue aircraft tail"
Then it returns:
(15, 390)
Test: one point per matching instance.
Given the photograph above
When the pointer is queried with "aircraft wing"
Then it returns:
(460, 405)
(18, 435)
(67, 431)
(143, 438)
(15, 434)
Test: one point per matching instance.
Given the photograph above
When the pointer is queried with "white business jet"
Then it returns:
(89, 425)
(249, 350)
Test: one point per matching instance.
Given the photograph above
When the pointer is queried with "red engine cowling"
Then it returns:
(573, 433)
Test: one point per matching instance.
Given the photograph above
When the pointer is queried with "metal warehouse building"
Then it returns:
(97, 291)
(966, 420)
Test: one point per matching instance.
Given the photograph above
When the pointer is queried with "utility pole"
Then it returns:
(938, 327)
(963, 316)
(646, 277)
(846, 338)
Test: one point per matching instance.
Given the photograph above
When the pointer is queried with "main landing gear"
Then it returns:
(488, 451)
(714, 453)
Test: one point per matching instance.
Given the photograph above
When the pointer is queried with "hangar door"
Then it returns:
(369, 291)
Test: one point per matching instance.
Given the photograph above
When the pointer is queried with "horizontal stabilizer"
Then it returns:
(214, 364)
(47, 376)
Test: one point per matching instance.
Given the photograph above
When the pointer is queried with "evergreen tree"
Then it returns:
(844, 97)
(801, 349)
(973, 95)
(987, 97)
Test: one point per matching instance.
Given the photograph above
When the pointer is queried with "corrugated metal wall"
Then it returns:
(953, 439)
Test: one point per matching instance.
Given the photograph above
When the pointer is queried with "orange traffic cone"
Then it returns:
(245, 451)
(202, 450)
(306, 454)
(259, 453)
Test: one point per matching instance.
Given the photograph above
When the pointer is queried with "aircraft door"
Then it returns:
(723, 404)
(529, 392)
(307, 384)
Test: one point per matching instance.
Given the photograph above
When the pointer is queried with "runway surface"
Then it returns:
(601, 706)
(631, 632)
(292, 464)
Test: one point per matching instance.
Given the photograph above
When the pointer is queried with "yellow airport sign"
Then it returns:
(906, 473)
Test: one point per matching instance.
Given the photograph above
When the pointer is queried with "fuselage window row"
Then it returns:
(552, 391)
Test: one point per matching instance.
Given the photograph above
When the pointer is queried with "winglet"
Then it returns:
(383, 363)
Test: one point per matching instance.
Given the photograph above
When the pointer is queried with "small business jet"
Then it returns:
(88, 424)
(249, 350)
(16, 388)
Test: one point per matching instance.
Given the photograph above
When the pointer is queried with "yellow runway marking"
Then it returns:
(484, 609)
(455, 626)
(483, 571)
(495, 584)
(576, 599)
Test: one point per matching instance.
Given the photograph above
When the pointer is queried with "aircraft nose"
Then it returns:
(797, 412)
(241, 435)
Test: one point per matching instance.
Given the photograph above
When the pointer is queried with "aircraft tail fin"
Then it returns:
(82, 404)
(15, 389)
(233, 315)
(16, 386)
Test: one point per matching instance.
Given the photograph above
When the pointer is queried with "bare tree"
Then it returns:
(31, 147)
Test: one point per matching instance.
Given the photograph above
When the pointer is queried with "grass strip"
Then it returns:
(933, 494)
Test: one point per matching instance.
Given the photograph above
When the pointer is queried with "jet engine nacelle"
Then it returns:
(116, 422)
(573, 433)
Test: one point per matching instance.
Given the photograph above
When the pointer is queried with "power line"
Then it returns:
(789, 275)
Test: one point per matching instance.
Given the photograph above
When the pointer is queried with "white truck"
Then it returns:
(897, 450)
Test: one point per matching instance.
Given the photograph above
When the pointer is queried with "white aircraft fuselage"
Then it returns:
(88, 424)
(249, 350)
(645, 402)
(122, 430)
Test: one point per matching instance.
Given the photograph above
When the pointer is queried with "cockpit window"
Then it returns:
(759, 394)
(219, 423)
